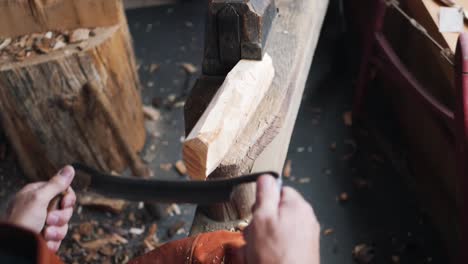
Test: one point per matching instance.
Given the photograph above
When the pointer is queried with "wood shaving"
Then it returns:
(304, 180)
(82, 45)
(173, 209)
(176, 228)
(171, 98)
(343, 197)
(111, 205)
(348, 118)
(189, 68)
(114, 239)
(151, 235)
(79, 35)
(59, 45)
(107, 250)
(181, 168)
(165, 166)
(153, 67)
(76, 237)
(287, 169)
(136, 231)
(5, 43)
(363, 254)
(328, 231)
(86, 229)
(131, 217)
(151, 113)
(48, 35)
(179, 104)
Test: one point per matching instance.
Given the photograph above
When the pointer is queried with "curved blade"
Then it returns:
(193, 192)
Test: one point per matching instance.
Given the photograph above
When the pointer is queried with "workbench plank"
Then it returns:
(291, 44)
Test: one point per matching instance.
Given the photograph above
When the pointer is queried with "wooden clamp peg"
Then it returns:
(235, 30)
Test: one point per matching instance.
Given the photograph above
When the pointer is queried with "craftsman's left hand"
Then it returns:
(29, 207)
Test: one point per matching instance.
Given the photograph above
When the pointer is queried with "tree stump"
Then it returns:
(75, 102)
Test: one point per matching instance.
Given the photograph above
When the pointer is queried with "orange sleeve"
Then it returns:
(19, 242)
(214, 248)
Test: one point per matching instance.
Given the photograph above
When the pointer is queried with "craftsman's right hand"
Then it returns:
(28, 209)
(283, 229)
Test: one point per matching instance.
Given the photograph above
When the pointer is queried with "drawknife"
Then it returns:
(165, 191)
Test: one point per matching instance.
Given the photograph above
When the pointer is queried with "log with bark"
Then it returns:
(79, 102)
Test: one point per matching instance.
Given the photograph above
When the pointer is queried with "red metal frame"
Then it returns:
(378, 53)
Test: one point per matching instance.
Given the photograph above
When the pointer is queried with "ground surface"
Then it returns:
(377, 207)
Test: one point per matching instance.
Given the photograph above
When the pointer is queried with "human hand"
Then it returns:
(283, 229)
(29, 207)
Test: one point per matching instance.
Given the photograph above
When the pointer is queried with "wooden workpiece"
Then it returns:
(226, 116)
(263, 143)
(76, 103)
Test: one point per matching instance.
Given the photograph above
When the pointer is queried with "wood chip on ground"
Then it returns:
(113, 239)
(131, 217)
(173, 209)
(165, 166)
(151, 240)
(59, 45)
(287, 169)
(4, 43)
(189, 68)
(343, 197)
(304, 180)
(348, 118)
(102, 203)
(328, 231)
(363, 254)
(181, 168)
(176, 228)
(107, 250)
(151, 113)
(86, 229)
(136, 231)
(153, 67)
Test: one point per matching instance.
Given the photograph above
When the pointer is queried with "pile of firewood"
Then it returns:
(22, 47)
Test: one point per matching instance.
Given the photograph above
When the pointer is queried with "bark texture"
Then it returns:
(51, 115)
